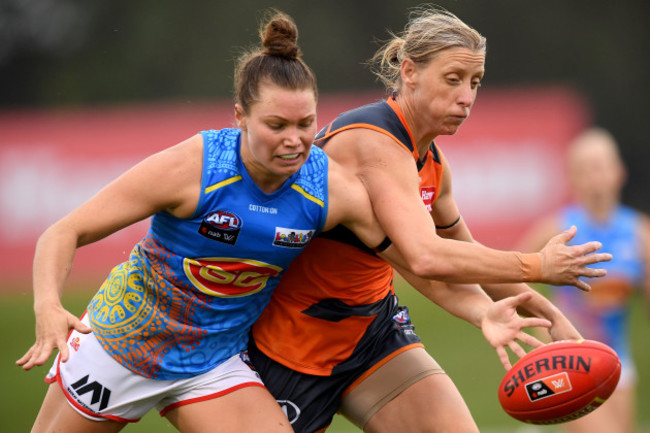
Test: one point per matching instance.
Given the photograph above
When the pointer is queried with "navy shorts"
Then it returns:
(311, 401)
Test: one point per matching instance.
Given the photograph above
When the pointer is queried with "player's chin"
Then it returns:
(451, 127)
(288, 165)
(449, 130)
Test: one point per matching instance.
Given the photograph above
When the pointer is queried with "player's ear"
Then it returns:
(409, 72)
(240, 117)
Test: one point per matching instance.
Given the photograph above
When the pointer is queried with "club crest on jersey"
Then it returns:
(428, 193)
(226, 277)
(222, 226)
(292, 238)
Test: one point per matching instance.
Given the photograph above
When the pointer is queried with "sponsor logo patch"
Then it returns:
(99, 394)
(548, 386)
(262, 209)
(427, 193)
(74, 343)
(290, 409)
(222, 226)
(292, 238)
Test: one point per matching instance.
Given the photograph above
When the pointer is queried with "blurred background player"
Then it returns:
(596, 176)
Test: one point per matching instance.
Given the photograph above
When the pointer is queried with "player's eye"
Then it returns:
(275, 125)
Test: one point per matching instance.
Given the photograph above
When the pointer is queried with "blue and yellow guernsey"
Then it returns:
(186, 298)
(602, 313)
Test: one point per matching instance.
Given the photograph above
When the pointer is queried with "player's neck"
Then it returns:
(420, 135)
(600, 210)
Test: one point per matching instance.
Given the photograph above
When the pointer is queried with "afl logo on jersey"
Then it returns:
(222, 226)
(227, 277)
(402, 316)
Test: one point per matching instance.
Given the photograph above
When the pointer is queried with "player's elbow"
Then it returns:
(433, 268)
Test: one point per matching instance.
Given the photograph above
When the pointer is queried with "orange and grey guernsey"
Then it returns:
(323, 309)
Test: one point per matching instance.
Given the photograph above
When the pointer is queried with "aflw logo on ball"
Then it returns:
(229, 277)
(548, 386)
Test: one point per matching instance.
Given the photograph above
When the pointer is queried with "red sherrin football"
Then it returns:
(560, 381)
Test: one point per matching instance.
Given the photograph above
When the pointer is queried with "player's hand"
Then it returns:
(563, 265)
(502, 327)
(53, 324)
(563, 329)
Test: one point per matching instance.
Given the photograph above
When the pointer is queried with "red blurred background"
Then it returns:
(507, 163)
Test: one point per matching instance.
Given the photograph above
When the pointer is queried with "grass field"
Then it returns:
(457, 346)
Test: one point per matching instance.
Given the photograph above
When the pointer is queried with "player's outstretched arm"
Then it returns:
(559, 260)
(464, 262)
(445, 210)
(393, 187)
(168, 180)
(53, 324)
(536, 306)
(501, 325)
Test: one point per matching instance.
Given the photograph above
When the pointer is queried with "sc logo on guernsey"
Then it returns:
(228, 277)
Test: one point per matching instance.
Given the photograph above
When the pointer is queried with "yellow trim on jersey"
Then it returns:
(218, 185)
(308, 196)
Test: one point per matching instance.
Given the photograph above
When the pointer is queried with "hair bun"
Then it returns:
(280, 37)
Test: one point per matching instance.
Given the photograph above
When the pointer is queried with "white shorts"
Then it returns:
(100, 388)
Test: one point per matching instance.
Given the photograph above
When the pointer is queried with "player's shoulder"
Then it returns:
(377, 112)
(631, 212)
(313, 174)
(374, 143)
(220, 139)
(183, 154)
(376, 120)
(644, 228)
(340, 175)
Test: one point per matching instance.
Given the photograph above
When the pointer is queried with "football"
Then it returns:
(560, 381)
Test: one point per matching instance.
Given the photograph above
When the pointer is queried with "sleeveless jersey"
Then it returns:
(322, 311)
(601, 314)
(186, 298)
